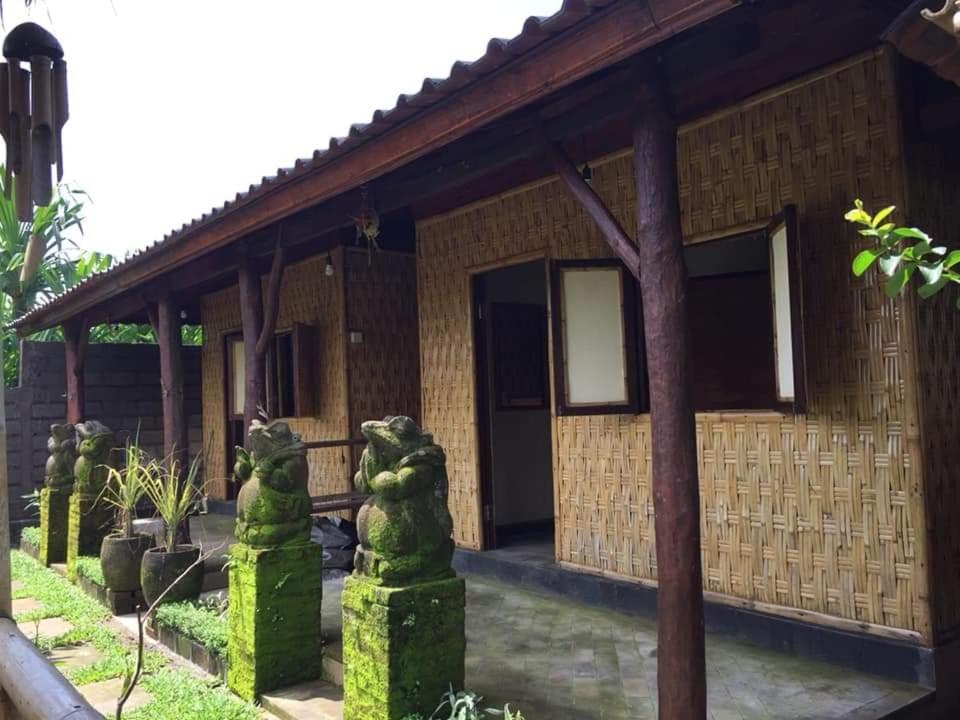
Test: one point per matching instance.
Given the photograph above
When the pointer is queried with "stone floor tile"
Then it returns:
(103, 696)
(72, 656)
(46, 629)
(21, 606)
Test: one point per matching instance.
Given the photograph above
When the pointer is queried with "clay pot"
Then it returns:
(160, 569)
(120, 559)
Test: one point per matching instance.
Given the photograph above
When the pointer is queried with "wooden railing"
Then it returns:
(333, 502)
(31, 688)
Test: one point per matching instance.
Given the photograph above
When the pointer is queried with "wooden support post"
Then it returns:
(171, 379)
(75, 336)
(681, 671)
(658, 265)
(258, 324)
(6, 594)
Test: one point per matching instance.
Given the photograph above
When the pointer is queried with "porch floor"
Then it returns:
(552, 657)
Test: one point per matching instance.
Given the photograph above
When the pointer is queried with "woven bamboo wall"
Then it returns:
(823, 511)
(934, 173)
(383, 369)
(307, 296)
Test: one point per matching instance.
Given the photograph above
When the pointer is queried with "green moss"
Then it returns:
(198, 622)
(274, 619)
(89, 523)
(90, 568)
(31, 536)
(54, 519)
(402, 647)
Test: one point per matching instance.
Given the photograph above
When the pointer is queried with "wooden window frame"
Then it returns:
(788, 218)
(632, 341)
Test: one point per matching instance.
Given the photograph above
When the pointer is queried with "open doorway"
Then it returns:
(513, 406)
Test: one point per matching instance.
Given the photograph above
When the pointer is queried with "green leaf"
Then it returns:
(952, 259)
(931, 289)
(896, 283)
(889, 264)
(857, 216)
(863, 261)
(931, 273)
(882, 215)
(912, 232)
(919, 250)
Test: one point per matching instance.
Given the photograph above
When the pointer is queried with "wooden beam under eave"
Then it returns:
(593, 205)
(75, 337)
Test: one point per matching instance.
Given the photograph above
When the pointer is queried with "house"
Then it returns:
(491, 308)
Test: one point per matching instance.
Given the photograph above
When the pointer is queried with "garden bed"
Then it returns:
(90, 579)
(196, 632)
(30, 541)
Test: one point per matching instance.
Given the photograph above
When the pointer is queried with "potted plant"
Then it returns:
(173, 566)
(121, 552)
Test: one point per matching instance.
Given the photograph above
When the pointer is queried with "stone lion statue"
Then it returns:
(95, 443)
(405, 528)
(273, 507)
(62, 446)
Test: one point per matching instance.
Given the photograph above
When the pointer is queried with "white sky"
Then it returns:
(175, 105)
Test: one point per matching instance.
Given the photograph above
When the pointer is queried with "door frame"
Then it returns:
(482, 351)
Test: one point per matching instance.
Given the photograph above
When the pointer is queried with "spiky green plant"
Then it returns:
(126, 486)
(173, 496)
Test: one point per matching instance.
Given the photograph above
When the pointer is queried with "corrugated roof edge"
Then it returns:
(535, 31)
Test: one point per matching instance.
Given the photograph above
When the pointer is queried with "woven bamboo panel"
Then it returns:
(821, 512)
(934, 172)
(384, 368)
(307, 296)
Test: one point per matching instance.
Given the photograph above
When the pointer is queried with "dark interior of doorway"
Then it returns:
(513, 408)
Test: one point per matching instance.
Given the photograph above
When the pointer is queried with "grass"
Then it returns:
(90, 568)
(198, 622)
(176, 693)
(31, 535)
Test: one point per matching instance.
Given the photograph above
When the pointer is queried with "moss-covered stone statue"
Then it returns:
(405, 527)
(55, 495)
(273, 507)
(403, 608)
(90, 516)
(275, 570)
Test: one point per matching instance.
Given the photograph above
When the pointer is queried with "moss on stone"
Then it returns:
(273, 637)
(54, 518)
(89, 522)
(402, 647)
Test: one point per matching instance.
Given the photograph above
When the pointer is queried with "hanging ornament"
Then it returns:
(33, 111)
(946, 18)
(367, 223)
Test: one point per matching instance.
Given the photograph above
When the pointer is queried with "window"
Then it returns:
(595, 337)
(746, 349)
(291, 374)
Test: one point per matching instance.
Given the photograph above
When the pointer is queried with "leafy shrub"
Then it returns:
(200, 623)
(30, 535)
(90, 568)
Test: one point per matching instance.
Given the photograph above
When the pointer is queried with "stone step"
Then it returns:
(103, 696)
(314, 700)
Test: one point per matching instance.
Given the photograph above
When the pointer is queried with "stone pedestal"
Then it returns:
(274, 620)
(90, 521)
(403, 647)
(54, 519)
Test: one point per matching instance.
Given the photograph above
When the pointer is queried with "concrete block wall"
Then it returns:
(123, 391)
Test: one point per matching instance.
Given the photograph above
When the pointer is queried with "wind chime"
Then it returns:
(33, 111)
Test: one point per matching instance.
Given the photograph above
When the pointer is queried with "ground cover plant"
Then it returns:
(89, 567)
(31, 535)
(176, 693)
(201, 623)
